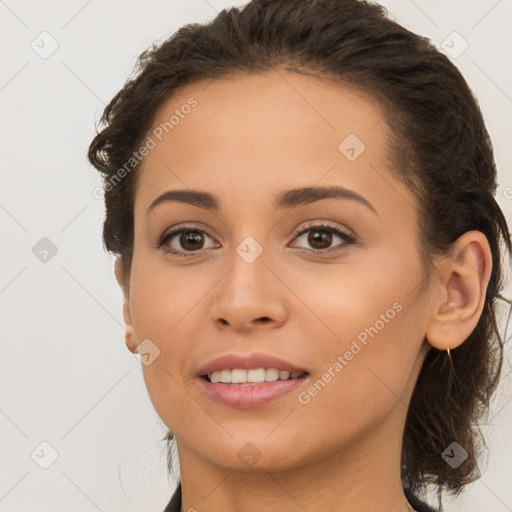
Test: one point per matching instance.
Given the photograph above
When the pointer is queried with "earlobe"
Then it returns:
(129, 335)
(130, 338)
(462, 286)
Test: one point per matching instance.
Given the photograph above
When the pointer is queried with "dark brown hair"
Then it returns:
(440, 148)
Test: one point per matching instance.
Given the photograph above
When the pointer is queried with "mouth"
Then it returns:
(253, 377)
(250, 380)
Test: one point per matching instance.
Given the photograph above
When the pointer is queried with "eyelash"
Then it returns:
(348, 239)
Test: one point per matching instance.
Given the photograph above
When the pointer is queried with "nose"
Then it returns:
(250, 295)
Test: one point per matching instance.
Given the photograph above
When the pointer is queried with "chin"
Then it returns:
(246, 454)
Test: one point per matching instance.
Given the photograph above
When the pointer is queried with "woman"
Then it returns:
(300, 196)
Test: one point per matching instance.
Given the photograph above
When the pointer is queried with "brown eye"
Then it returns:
(191, 240)
(321, 237)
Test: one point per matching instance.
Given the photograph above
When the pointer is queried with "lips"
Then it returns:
(248, 362)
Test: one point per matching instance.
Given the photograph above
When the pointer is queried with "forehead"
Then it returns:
(257, 130)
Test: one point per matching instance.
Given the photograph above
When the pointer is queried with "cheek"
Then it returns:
(371, 316)
(162, 300)
(171, 309)
(364, 376)
(347, 301)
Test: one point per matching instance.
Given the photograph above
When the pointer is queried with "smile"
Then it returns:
(254, 376)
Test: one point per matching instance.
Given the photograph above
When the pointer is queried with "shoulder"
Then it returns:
(175, 504)
(416, 503)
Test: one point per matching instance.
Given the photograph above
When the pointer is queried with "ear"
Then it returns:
(123, 282)
(461, 286)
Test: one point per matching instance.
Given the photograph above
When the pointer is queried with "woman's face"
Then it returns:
(244, 280)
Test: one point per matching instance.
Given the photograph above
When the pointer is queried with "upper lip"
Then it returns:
(247, 362)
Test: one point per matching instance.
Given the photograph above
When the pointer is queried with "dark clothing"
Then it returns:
(175, 503)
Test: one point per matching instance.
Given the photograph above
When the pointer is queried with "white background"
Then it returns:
(66, 375)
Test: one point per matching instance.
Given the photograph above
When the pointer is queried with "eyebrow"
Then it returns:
(283, 200)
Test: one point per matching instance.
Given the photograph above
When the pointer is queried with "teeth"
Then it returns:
(271, 374)
(225, 376)
(238, 376)
(255, 376)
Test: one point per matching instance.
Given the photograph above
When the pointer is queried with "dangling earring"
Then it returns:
(450, 358)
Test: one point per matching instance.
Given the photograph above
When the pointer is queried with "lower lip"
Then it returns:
(249, 396)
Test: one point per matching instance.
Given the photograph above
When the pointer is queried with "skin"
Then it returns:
(249, 137)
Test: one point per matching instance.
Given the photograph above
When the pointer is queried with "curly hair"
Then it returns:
(439, 147)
